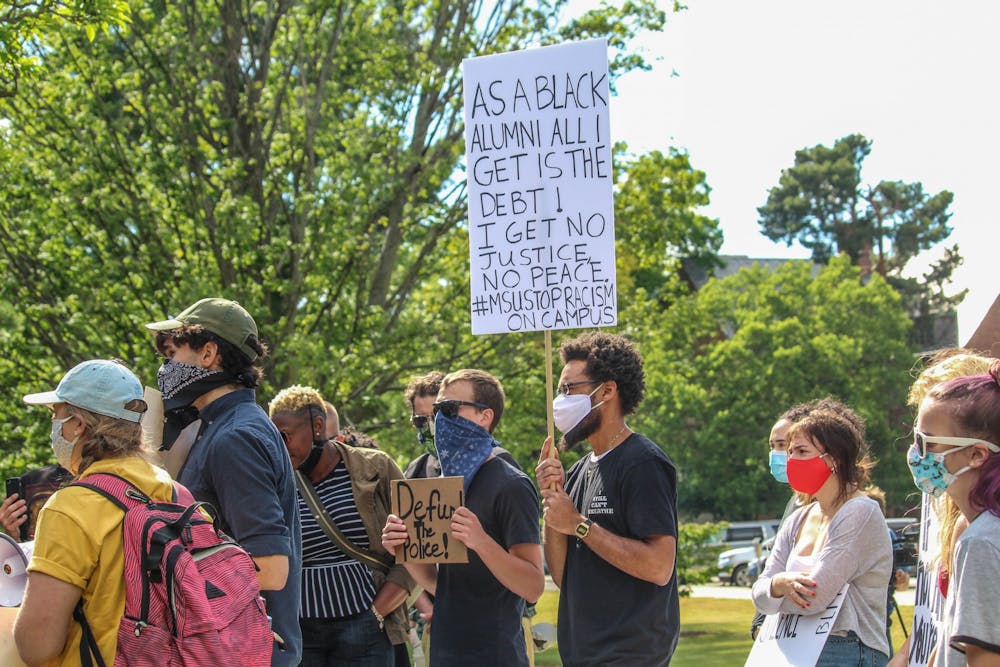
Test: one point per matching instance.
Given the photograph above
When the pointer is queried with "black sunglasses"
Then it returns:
(450, 407)
(419, 421)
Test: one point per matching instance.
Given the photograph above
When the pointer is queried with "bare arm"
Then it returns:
(389, 597)
(43, 621)
(555, 553)
(272, 572)
(980, 657)
(519, 569)
(902, 657)
(650, 559)
(551, 477)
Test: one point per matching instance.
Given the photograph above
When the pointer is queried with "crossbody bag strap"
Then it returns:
(370, 558)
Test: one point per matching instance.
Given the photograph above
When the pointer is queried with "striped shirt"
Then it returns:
(334, 585)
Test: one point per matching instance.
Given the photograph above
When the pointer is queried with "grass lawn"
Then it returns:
(713, 631)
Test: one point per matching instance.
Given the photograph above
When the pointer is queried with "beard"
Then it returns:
(587, 427)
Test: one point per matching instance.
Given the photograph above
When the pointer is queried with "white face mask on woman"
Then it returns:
(568, 410)
(61, 447)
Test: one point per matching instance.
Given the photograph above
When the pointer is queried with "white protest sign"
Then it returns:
(928, 604)
(541, 208)
(794, 640)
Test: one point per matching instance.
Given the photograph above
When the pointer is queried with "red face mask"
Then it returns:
(807, 475)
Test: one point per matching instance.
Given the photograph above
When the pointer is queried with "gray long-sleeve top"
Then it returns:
(857, 551)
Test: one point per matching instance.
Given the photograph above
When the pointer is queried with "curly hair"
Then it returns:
(609, 357)
(109, 437)
(234, 362)
(297, 399)
(425, 385)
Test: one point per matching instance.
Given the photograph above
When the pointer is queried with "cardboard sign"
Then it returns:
(794, 640)
(426, 507)
(928, 603)
(541, 208)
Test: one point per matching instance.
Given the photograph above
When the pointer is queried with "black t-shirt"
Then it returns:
(477, 620)
(608, 617)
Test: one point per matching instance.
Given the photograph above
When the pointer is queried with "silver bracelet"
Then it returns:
(378, 617)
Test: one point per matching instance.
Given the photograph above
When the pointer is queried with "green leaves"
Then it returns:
(822, 203)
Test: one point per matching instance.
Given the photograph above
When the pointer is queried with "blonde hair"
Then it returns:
(946, 365)
(109, 437)
(296, 398)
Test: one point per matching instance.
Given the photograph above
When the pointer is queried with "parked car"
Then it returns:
(745, 539)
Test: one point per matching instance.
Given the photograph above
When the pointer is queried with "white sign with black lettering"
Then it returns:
(928, 604)
(794, 640)
(541, 208)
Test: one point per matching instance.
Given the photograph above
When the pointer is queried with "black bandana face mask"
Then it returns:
(180, 385)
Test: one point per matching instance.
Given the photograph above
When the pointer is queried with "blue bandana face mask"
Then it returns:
(462, 446)
(777, 462)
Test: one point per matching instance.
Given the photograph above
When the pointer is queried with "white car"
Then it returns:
(746, 538)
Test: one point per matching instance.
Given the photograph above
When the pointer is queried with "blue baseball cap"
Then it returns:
(100, 386)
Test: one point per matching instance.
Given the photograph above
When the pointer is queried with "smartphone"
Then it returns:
(13, 485)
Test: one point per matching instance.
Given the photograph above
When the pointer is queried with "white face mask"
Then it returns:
(61, 447)
(568, 410)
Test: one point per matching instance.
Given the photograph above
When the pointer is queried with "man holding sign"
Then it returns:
(478, 605)
(611, 522)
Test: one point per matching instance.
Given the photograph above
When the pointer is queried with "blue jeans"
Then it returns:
(849, 651)
(355, 641)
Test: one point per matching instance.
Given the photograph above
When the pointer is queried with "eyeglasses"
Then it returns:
(921, 440)
(450, 407)
(419, 421)
(564, 388)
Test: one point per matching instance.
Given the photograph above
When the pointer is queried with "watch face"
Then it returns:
(583, 529)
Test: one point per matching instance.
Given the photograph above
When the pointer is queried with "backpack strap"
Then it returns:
(88, 643)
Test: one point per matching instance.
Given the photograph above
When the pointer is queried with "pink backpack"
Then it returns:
(191, 593)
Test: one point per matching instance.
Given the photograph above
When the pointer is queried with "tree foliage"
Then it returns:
(725, 362)
(822, 202)
(303, 158)
(24, 25)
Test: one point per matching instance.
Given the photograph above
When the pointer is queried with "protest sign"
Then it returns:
(794, 640)
(541, 212)
(928, 604)
(426, 507)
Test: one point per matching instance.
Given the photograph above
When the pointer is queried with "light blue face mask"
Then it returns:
(777, 461)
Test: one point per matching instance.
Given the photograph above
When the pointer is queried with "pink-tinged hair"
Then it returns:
(973, 403)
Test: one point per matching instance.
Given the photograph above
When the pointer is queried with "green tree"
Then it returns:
(822, 202)
(727, 361)
(300, 157)
(25, 24)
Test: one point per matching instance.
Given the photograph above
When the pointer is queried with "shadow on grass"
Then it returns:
(713, 631)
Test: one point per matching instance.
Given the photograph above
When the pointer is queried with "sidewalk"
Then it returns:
(903, 598)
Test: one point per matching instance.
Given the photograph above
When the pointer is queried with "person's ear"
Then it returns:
(608, 390)
(209, 357)
(978, 455)
(318, 427)
(486, 418)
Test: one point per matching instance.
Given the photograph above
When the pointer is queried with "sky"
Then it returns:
(742, 85)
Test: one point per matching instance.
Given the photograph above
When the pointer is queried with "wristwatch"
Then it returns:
(583, 528)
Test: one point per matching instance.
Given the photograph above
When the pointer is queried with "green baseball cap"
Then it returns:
(226, 319)
(100, 386)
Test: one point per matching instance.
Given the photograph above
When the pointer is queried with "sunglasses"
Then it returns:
(450, 407)
(921, 440)
(564, 388)
(419, 421)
